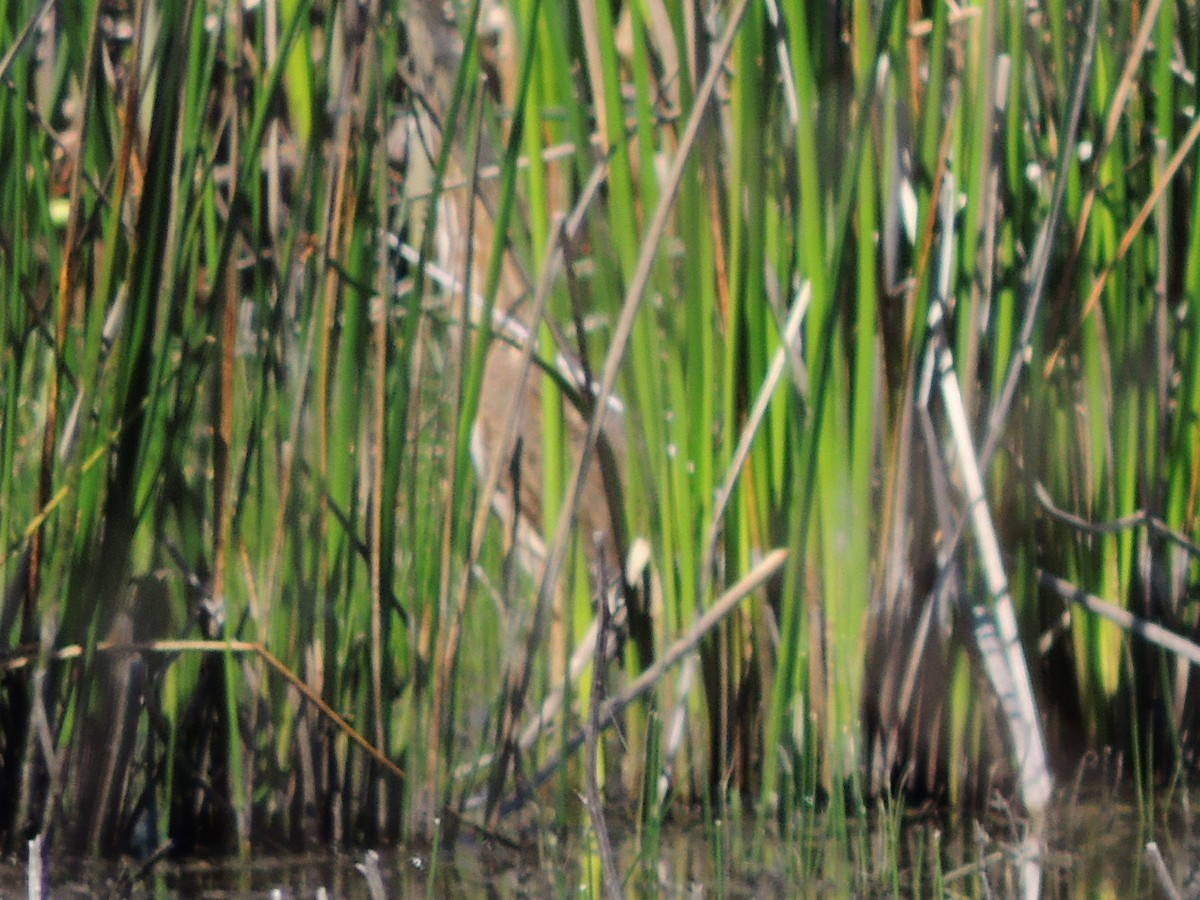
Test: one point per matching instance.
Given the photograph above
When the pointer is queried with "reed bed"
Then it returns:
(271, 269)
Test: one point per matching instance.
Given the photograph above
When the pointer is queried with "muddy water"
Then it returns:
(1093, 847)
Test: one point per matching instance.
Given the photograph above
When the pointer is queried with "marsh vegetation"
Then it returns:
(448, 421)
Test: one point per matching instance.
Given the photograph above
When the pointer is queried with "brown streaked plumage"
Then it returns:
(436, 46)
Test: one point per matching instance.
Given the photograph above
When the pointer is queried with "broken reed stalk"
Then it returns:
(1161, 872)
(1151, 632)
(997, 638)
(26, 656)
(370, 871)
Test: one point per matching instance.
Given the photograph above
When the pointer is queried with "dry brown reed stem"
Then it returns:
(26, 656)
(228, 292)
